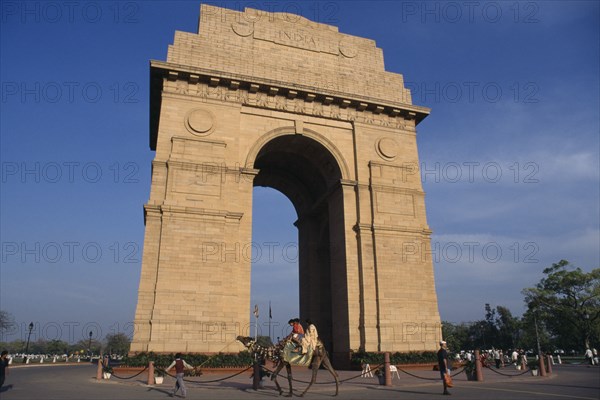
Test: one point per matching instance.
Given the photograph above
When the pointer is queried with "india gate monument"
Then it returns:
(275, 100)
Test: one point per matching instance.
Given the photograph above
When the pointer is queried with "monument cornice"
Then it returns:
(235, 81)
(160, 70)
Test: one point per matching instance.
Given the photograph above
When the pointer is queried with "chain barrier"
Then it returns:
(323, 383)
(419, 377)
(131, 377)
(211, 381)
(510, 375)
(306, 382)
(362, 374)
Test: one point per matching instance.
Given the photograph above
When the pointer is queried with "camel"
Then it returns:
(275, 354)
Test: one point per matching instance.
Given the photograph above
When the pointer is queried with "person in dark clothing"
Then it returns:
(442, 356)
(180, 366)
(3, 367)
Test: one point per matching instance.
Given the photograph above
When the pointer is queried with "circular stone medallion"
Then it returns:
(347, 49)
(387, 148)
(243, 28)
(199, 121)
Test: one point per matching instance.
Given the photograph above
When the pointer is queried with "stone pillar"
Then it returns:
(478, 367)
(388, 373)
(150, 373)
(542, 365)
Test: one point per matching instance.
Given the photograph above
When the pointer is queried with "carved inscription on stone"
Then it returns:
(293, 36)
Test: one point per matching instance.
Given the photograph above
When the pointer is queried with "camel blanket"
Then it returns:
(300, 359)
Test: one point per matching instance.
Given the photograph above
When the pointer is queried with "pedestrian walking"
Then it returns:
(497, 358)
(180, 367)
(589, 356)
(442, 356)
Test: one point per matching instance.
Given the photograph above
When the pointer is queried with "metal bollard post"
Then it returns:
(151, 373)
(550, 362)
(99, 369)
(388, 374)
(542, 365)
(478, 367)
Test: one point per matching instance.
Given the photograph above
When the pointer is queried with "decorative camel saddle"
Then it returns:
(291, 355)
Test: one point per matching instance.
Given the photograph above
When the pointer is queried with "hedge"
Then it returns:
(244, 359)
(221, 360)
(414, 357)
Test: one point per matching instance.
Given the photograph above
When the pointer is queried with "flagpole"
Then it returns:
(270, 321)
(255, 322)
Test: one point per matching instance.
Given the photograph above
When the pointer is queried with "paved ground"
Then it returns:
(78, 382)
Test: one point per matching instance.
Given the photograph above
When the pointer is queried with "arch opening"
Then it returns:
(274, 269)
(307, 173)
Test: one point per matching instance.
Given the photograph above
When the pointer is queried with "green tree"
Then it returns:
(499, 329)
(83, 346)
(483, 334)
(477, 334)
(16, 346)
(40, 346)
(7, 323)
(456, 335)
(491, 330)
(529, 335)
(567, 300)
(508, 328)
(57, 347)
(117, 343)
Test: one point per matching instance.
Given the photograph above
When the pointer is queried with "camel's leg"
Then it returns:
(315, 365)
(274, 376)
(288, 368)
(329, 367)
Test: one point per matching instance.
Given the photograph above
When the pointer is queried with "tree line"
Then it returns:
(117, 343)
(563, 313)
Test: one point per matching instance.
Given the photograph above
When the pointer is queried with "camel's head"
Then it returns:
(245, 340)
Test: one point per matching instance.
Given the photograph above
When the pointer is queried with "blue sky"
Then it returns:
(509, 154)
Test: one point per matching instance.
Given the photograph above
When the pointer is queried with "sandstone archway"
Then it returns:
(261, 99)
(308, 174)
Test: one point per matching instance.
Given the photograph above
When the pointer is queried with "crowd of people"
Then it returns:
(517, 357)
(496, 357)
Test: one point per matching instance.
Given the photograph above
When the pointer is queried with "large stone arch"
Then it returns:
(321, 139)
(277, 100)
(304, 168)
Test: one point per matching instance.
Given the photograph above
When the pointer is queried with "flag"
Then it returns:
(270, 315)
(256, 310)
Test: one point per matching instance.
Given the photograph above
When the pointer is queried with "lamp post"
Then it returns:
(586, 334)
(90, 346)
(27, 346)
(537, 336)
